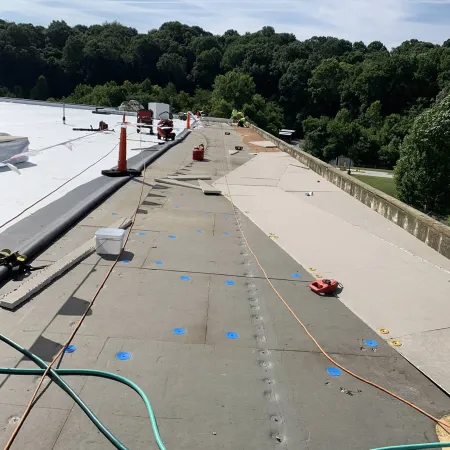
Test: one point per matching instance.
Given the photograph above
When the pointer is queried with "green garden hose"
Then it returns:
(54, 374)
(416, 446)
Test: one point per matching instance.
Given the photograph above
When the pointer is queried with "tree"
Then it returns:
(324, 86)
(221, 108)
(372, 118)
(5, 92)
(235, 88)
(342, 96)
(391, 134)
(18, 91)
(58, 32)
(206, 68)
(233, 57)
(204, 43)
(422, 174)
(334, 47)
(172, 68)
(294, 94)
(73, 51)
(40, 90)
(184, 101)
(202, 100)
(413, 47)
(343, 136)
(259, 55)
(316, 135)
(146, 53)
(268, 115)
(359, 47)
(101, 58)
(376, 46)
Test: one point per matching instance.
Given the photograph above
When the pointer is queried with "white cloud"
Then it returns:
(386, 20)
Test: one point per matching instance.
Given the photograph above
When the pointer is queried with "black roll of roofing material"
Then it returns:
(100, 189)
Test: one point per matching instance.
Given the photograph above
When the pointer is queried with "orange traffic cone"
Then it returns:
(122, 164)
(122, 170)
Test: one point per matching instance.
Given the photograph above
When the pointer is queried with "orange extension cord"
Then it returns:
(444, 425)
(358, 377)
(77, 327)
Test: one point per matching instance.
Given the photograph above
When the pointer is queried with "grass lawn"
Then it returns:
(385, 185)
(374, 170)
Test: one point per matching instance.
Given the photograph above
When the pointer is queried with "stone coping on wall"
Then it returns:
(430, 231)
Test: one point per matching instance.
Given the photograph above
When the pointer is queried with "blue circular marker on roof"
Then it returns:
(159, 263)
(123, 356)
(230, 282)
(114, 214)
(172, 236)
(126, 261)
(334, 371)
(226, 233)
(142, 233)
(370, 343)
(70, 349)
(176, 207)
(179, 331)
(182, 195)
(199, 231)
(231, 335)
(185, 278)
(296, 275)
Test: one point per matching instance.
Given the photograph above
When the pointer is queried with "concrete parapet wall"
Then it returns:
(216, 119)
(435, 234)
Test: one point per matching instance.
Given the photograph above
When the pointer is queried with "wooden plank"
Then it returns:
(188, 177)
(233, 152)
(38, 280)
(208, 189)
(176, 183)
(265, 144)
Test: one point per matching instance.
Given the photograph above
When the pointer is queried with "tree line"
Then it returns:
(344, 98)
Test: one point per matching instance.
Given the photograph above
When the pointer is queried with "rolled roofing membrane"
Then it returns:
(11, 147)
(57, 153)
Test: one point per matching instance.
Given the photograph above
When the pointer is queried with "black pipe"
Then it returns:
(53, 230)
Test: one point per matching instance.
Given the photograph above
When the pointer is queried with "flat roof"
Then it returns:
(222, 360)
(66, 154)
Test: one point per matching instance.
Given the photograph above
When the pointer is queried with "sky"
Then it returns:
(389, 21)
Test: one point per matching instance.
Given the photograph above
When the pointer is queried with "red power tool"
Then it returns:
(324, 286)
(165, 127)
(145, 117)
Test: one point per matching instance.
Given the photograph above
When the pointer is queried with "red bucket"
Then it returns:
(198, 154)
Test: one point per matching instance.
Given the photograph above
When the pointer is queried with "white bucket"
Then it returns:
(109, 241)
